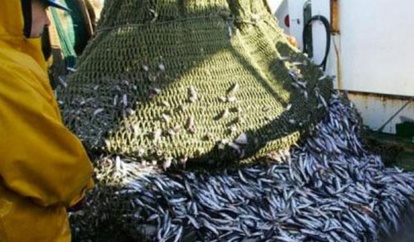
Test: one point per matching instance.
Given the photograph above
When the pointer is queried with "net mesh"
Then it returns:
(192, 84)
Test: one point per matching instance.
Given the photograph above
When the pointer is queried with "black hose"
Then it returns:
(327, 26)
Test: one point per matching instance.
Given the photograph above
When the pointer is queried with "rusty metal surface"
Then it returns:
(335, 17)
(379, 110)
(381, 97)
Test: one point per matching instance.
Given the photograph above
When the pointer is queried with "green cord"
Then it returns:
(67, 46)
(73, 38)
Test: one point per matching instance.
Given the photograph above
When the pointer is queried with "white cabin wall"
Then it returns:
(376, 38)
(322, 7)
(371, 57)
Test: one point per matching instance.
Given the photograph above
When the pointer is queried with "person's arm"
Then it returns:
(39, 157)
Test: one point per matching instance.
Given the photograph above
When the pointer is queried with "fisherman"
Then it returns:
(44, 169)
(73, 31)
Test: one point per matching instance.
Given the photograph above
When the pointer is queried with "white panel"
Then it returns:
(280, 9)
(296, 19)
(319, 7)
(323, 8)
(377, 53)
(274, 4)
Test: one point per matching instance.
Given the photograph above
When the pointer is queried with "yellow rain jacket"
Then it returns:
(43, 167)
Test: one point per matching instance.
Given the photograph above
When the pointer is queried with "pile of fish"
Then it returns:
(327, 188)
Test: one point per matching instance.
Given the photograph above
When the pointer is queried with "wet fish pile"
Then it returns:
(328, 188)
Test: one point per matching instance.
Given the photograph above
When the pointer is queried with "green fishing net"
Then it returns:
(192, 83)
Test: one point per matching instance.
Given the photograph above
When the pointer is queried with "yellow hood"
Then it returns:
(11, 31)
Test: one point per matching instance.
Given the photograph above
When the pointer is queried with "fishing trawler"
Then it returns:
(169, 91)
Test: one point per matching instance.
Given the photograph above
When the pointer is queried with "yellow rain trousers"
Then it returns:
(43, 167)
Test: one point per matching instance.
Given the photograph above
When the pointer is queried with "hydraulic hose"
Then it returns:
(306, 31)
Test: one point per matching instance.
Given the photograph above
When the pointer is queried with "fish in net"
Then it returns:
(328, 188)
(192, 85)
